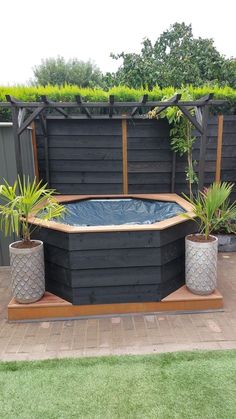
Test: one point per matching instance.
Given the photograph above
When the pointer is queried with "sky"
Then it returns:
(91, 29)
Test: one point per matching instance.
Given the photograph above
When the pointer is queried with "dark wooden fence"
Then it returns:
(85, 156)
(8, 171)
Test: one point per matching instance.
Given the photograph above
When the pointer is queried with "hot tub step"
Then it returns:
(53, 307)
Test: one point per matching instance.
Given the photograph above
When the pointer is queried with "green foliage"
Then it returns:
(176, 58)
(226, 219)
(181, 135)
(212, 207)
(122, 93)
(32, 200)
(57, 71)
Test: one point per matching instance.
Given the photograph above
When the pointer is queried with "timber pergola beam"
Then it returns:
(191, 118)
(82, 106)
(111, 103)
(174, 100)
(31, 118)
(19, 109)
(47, 102)
(118, 105)
(142, 102)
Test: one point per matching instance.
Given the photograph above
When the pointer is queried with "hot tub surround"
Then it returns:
(115, 264)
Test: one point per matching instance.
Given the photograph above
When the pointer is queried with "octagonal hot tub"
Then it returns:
(116, 249)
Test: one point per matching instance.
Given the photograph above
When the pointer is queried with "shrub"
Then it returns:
(122, 93)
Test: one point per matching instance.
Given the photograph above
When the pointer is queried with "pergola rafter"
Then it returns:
(142, 102)
(24, 113)
(47, 102)
(84, 108)
(111, 107)
(174, 100)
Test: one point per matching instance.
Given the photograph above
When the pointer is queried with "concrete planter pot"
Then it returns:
(27, 273)
(201, 266)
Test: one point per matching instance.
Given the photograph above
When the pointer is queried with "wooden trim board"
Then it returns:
(171, 197)
(53, 307)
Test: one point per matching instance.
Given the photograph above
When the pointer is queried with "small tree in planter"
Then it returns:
(23, 200)
(225, 230)
(210, 208)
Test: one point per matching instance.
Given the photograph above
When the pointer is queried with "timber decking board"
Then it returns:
(52, 307)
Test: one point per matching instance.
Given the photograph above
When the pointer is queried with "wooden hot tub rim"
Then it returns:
(160, 225)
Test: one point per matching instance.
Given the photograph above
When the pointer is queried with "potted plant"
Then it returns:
(19, 202)
(225, 231)
(210, 208)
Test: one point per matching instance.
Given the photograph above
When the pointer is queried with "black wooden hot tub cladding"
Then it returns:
(114, 267)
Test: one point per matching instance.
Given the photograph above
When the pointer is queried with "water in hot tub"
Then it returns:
(101, 212)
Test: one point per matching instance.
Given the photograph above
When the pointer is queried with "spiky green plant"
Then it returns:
(211, 207)
(23, 200)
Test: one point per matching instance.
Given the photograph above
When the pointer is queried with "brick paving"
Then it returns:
(129, 334)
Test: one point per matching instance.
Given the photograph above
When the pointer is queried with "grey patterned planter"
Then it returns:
(201, 266)
(27, 272)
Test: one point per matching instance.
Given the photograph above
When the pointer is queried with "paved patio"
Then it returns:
(130, 334)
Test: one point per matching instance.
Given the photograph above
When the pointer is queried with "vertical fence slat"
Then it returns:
(35, 153)
(43, 121)
(173, 171)
(124, 155)
(203, 147)
(18, 156)
(219, 147)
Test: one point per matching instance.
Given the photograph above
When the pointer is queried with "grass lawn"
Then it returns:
(181, 385)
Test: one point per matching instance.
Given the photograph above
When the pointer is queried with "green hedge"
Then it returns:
(122, 93)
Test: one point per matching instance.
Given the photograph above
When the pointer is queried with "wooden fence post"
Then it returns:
(219, 147)
(36, 166)
(124, 155)
(203, 148)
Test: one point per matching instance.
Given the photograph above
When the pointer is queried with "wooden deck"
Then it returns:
(53, 307)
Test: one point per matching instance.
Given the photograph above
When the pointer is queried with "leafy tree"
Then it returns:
(176, 59)
(229, 73)
(109, 80)
(58, 71)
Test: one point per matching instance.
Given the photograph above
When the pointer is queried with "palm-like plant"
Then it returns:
(23, 200)
(212, 207)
